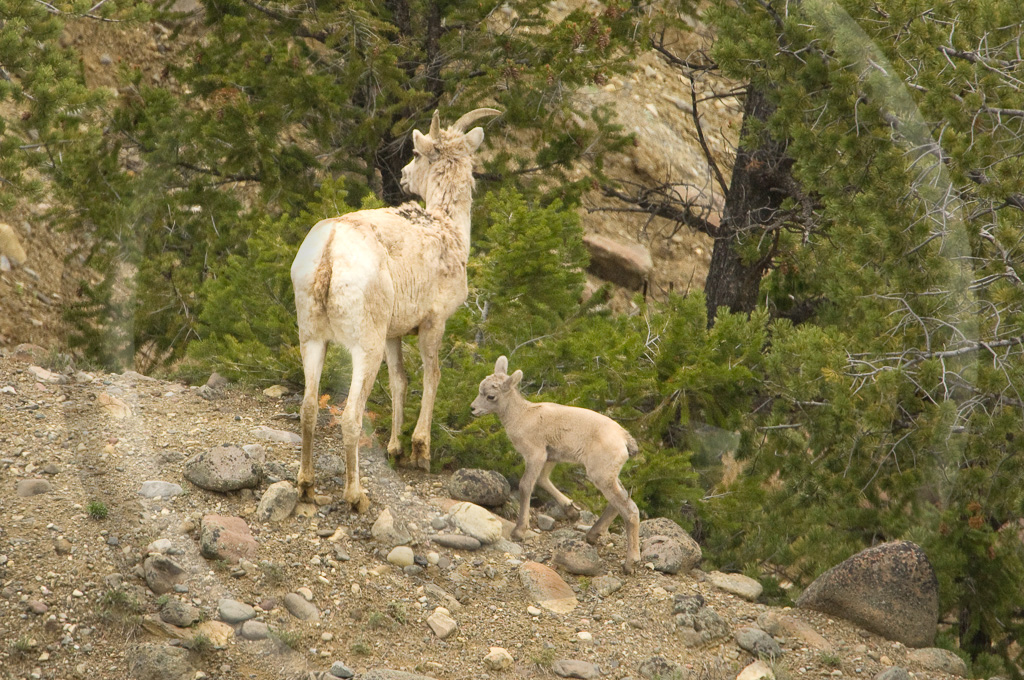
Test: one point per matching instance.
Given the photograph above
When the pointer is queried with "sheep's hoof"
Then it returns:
(423, 464)
(518, 534)
(306, 493)
(360, 503)
(629, 566)
(593, 538)
(572, 513)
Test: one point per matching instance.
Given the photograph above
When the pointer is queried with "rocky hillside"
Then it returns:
(118, 560)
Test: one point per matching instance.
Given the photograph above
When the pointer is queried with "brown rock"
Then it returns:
(626, 264)
(890, 589)
(547, 588)
(226, 538)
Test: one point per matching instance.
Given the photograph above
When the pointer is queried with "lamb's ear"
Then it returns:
(474, 138)
(501, 365)
(513, 380)
(422, 143)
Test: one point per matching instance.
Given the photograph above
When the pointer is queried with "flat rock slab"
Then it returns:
(280, 436)
(388, 674)
(547, 588)
(158, 489)
(457, 541)
(476, 521)
(780, 625)
(737, 584)
(890, 589)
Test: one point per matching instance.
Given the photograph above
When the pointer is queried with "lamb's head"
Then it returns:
(443, 150)
(495, 388)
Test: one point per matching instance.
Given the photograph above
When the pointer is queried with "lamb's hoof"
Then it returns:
(423, 464)
(518, 534)
(306, 494)
(593, 538)
(395, 453)
(572, 513)
(629, 566)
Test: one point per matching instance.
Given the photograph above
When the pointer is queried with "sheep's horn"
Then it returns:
(462, 123)
(435, 126)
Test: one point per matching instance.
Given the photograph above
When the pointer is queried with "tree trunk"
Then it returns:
(760, 179)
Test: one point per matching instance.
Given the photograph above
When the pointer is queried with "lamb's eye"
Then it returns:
(490, 397)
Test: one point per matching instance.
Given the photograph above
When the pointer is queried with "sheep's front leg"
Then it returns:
(431, 333)
(399, 383)
(313, 353)
(534, 467)
(564, 502)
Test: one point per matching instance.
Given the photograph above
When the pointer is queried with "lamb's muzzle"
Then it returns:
(545, 434)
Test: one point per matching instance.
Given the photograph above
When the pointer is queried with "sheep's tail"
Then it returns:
(322, 278)
(631, 448)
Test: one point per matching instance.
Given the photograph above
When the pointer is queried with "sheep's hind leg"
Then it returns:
(313, 353)
(399, 383)
(431, 334)
(620, 503)
(563, 501)
(365, 364)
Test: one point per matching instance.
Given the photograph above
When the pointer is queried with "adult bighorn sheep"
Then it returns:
(545, 434)
(368, 278)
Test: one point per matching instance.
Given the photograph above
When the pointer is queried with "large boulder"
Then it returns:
(890, 589)
(626, 264)
(483, 487)
(224, 468)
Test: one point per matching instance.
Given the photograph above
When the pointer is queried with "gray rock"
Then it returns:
(545, 522)
(388, 674)
(233, 611)
(894, 673)
(216, 381)
(254, 630)
(280, 436)
(577, 556)
(158, 489)
(658, 667)
(483, 487)
(890, 589)
(456, 541)
(301, 608)
(226, 538)
(668, 555)
(178, 613)
(737, 584)
(340, 670)
(162, 573)
(388, 531)
(33, 487)
(606, 585)
(758, 642)
(687, 604)
(278, 502)
(663, 526)
(156, 661)
(224, 468)
(573, 668)
(939, 660)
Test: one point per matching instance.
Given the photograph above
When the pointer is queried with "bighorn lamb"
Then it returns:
(545, 434)
(368, 278)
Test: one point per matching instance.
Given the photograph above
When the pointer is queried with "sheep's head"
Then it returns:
(494, 388)
(442, 146)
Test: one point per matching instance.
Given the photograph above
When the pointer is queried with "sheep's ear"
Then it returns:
(513, 380)
(474, 138)
(422, 143)
(501, 365)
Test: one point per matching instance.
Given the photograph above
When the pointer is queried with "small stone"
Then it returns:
(573, 668)
(737, 584)
(401, 556)
(301, 608)
(386, 530)
(278, 502)
(232, 611)
(758, 643)
(276, 391)
(62, 546)
(340, 670)
(255, 630)
(534, 611)
(32, 487)
(441, 623)
(606, 585)
(158, 489)
(758, 670)
(456, 541)
(498, 659)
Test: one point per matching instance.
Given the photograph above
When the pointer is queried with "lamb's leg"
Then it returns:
(534, 466)
(620, 503)
(313, 353)
(365, 364)
(399, 383)
(602, 524)
(564, 502)
(431, 333)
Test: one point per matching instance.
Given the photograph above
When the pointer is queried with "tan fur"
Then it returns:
(322, 279)
(368, 278)
(545, 434)
(10, 245)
